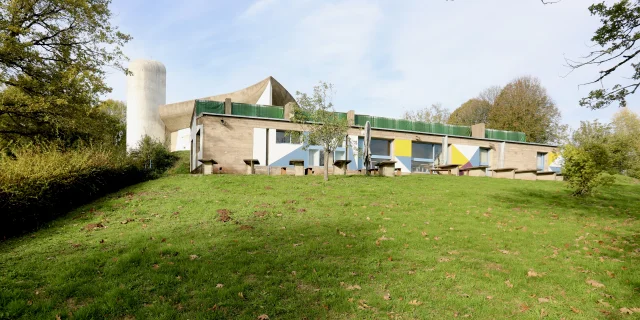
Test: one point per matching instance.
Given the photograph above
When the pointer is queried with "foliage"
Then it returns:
(153, 156)
(616, 48)
(626, 130)
(322, 126)
(436, 113)
(524, 105)
(589, 158)
(359, 249)
(471, 112)
(39, 183)
(583, 170)
(53, 56)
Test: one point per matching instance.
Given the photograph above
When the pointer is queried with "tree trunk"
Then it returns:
(326, 164)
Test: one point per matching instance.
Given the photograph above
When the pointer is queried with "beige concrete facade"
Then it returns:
(230, 141)
(525, 175)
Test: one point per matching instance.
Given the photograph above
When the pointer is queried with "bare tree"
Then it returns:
(436, 113)
(617, 47)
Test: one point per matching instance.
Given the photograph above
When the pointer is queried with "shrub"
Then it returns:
(153, 156)
(585, 168)
(37, 184)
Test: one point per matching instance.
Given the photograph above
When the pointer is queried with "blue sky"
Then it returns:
(384, 57)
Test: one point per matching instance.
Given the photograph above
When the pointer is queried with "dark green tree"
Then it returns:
(53, 58)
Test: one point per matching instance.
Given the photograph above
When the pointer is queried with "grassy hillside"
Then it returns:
(197, 247)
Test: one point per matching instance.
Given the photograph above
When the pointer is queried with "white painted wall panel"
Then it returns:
(260, 145)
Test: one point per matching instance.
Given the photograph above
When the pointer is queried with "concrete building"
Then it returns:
(222, 131)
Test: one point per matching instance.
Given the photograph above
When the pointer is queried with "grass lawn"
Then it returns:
(413, 247)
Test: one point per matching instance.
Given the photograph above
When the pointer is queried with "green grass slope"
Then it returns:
(413, 247)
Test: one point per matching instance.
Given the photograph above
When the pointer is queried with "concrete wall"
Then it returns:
(245, 138)
(146, 92)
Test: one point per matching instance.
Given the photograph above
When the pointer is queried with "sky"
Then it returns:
(383, 57)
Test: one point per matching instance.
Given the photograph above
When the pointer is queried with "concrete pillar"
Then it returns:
(501, 155)
(351, 117)
(227, 106)
(445, 149)
(477, 130)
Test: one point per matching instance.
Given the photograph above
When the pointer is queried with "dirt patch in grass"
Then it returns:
(260, 213)
(246, 227)
(223, 215)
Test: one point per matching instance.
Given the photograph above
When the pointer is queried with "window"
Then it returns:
(423, 155)
(198, 142)
(484, 156)
(380, 147)
(421, 166)
(284, 137)
(422, 150)
(541, 160)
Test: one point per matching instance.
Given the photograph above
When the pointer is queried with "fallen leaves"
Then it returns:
(353, 287)
(595, 283)
(387, 296)
(509, 284)
(415, 303)
(263, 317)
(543, 300)
(219, 285)
(94, 226)
(193, 257)
(575, 310)
(450, 275)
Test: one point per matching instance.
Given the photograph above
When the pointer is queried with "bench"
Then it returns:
(251, 163)
(559, 177)
(450, 169)
(308, 171)
(340, 166)
(298, 166)
(528, 174)
(479, 171)
(386, 168)
(546, 175)
(505, 173)
(207, 165)
(372, 171)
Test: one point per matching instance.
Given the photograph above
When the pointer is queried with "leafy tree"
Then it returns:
(321, 124)
(524, 105)
(616, 48)
(436, 113)
(114, 115)
(626, 142)
(471, 112)
(588, 158)
(53, 56)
